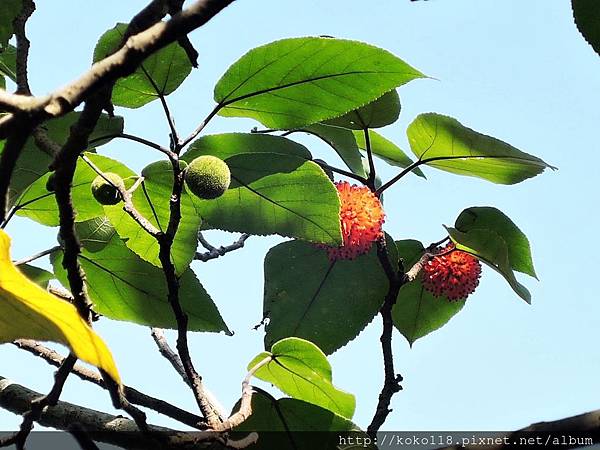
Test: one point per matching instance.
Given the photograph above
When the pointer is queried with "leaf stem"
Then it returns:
(371, 178)
(37, 255)
(201, 127)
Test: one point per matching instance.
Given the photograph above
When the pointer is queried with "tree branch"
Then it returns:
(104, 427)
(133, 395)
(215, 252)
(121, 63)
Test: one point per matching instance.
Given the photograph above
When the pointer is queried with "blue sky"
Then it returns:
(517, 70)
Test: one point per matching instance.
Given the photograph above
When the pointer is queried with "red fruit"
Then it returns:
(454, 274)
(361, 217)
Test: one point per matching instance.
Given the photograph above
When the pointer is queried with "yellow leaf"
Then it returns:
(29, 312)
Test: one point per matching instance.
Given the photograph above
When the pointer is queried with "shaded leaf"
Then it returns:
(379, 113)
(226, 145)
(488, 218)
(10, 10)
(38, 204)
(342, 141)
(300, 369)
(8, 62)
(296, 82)
(417, 312)
(489, 247)
(39, 276)
(159, 74)
(326, 303)
(151, 200)
(587, 19)
(29, 312)
(276, 194)
(291, 424)
(385, 150)
(124, 287)
(95, 234)
(444, 143)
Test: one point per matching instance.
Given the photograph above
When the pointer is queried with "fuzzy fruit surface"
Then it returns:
(208, 177)
(361, 219)
(454, 274)
(106, 193)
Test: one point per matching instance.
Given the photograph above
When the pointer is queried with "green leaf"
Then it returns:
(95, 234)
(417, 312)
(10, 10)
(291, 424)
(444, 143)
(159, 74)
(226, 145)
(152, 200)
(292, 83)
(276, 194)
(300, 369)
(8, 62)
(342, 141)
(326, 303)
(488, 218)
(385, 150)
(39, 276)
(123, 287)
(379, 113)
(587, 19)
(34, 161)
(38, 204)
(489, 247)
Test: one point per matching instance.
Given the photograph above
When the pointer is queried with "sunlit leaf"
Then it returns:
(296, 82)
(300, 369)
(124, 287)
(161, 73)
(29, 312)
(444, 143)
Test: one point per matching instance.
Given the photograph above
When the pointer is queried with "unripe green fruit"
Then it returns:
(208, 177)
(50, 186)
(104, 192)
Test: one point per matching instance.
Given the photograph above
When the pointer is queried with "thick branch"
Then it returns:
(103, 427)
(215, 252)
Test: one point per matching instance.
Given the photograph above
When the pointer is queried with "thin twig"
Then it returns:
(214, 252)
(372, 175)
(200, 127)
(37, 255)
(134, 138)
(245, 410)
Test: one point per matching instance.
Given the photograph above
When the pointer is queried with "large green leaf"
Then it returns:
(383, 111)
(296, 82)
(385, 150)
(489, 247)
(39, 276)
(587, 19)
(159, 74)
(226, 145)
(444, 143)
(8, 62)
(123, 287)
(417, 312)
(38, 204)
(152, 200)
(291, 424)
(10, 10)
(300, 369)
(489, 218)
(34, 161)
(276, 194)
(310, 297)
(342, 141)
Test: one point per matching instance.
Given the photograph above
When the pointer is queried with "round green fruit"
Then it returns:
(208, 177)
(106, 193)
